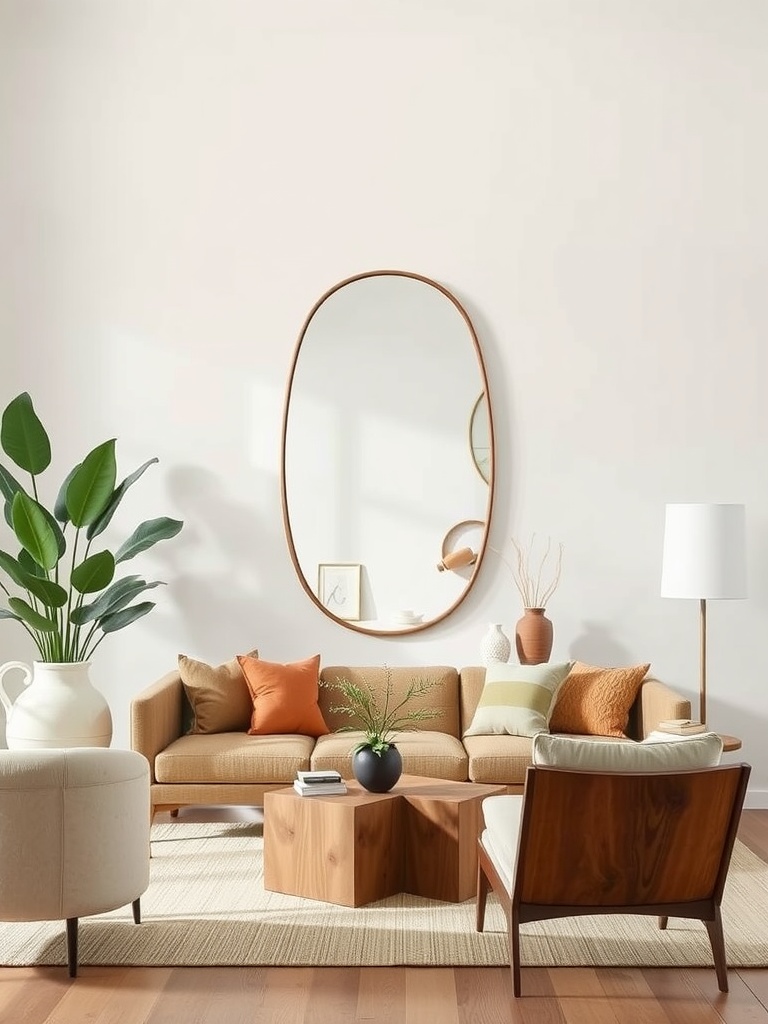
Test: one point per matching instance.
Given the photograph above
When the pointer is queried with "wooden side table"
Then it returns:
(729, 742)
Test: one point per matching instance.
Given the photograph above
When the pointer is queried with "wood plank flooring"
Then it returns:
(388, 995)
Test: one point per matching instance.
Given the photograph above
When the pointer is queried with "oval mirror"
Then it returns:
(385, 513)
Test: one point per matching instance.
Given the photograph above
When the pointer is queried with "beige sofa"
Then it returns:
(235, 768)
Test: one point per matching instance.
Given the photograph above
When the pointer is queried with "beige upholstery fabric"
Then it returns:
(444, 696)
(74, 832)
(234, 757)
(156, 728)
(501, 815)
(430, 754)
(702, 750)
(498, 760)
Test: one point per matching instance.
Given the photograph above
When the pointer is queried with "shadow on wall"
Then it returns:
(236, 603)
(596, 646)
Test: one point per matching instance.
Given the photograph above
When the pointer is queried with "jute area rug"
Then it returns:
(206, 906)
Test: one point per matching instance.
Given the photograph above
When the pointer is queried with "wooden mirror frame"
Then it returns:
(346, 623)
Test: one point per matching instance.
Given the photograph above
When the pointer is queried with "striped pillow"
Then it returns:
(517, 700)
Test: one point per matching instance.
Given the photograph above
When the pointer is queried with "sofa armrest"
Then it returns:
(156, 715)
(655, 702)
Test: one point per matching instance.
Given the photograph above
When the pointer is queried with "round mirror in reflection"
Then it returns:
(374, 461)
(480, 438)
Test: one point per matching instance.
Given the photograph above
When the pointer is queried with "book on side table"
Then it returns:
(319, 783)
(681, 726)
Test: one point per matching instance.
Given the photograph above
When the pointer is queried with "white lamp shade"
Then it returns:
(704, 552)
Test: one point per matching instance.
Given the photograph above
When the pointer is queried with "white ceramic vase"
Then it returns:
(59, 707)
(495, 645)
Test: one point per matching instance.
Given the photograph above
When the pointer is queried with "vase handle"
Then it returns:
(5, 700)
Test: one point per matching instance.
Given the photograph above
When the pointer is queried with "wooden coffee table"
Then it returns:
(419, 838)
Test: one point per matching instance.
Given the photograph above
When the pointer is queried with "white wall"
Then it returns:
(180, 181)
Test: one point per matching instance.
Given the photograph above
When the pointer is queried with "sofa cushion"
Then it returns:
(517, 699)
(702, 750)
(444, 696)
(218, 695)
(596, 701)
(284, 696)
(234, 757)
(424, 752)
(498, 760)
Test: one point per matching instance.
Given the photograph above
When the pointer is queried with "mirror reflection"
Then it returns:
(375, 463)
(480, 438)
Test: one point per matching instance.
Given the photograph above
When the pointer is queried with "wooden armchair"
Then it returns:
(600, 842)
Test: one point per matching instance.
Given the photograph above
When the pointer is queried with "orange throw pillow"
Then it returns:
(284, 697)
(596, 701)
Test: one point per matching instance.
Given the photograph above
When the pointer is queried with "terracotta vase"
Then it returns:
(533, 637)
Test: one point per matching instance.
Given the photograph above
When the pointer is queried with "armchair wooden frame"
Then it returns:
(619, 843)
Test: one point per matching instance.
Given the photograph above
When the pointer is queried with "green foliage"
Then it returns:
(376, 714)
(53, 609)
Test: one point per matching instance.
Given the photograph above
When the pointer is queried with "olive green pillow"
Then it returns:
(517, 699)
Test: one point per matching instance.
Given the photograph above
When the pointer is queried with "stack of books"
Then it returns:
(319, 783)
(681, 726)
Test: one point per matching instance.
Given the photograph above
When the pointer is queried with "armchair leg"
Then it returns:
(72, 946)
(514, 949)
(663, 922)
(716, 940)
(482, 895)
(136, 908)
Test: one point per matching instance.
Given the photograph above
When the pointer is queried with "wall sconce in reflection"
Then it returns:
(457, 559)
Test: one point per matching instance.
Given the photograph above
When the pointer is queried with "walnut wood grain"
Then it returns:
(597, 843)
(420, 838)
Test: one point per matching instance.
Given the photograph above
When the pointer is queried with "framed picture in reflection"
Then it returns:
(338, 587)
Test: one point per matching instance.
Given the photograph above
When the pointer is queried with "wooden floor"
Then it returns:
(390, 995)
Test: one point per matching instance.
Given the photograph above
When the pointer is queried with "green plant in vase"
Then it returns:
(376, 761)
(57, 587)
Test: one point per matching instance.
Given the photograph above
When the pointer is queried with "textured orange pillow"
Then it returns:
(596, 701)
(284, 696)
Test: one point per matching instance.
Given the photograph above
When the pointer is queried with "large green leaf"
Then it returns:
(9, 485)
(91, 486)
(13, 568)
(33, 530)
(30, 616)
(121, 593)
(23, 436)
(50, 593)
(147, 534)
(94, 573)
(27, 562)
(118, 620)
(99, 525)
(57, 531)
(60, 509)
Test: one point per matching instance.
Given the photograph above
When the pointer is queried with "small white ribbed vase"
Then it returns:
(495, 645)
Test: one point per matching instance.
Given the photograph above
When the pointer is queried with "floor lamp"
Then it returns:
(704, 558)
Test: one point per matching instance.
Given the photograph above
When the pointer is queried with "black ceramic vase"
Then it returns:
(377, 772)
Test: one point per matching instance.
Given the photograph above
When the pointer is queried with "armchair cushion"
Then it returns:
(703, 750)
(218, 695)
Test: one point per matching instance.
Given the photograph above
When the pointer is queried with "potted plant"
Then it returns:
(376, 761)
(58, 588)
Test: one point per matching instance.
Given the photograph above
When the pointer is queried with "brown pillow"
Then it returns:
(284, 697)
(596, 701)
(219, 696)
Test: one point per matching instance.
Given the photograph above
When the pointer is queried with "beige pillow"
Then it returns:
(218, 695)
(596, 701)
(702, 750)
(517, 699)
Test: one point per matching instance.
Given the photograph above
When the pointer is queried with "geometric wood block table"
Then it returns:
(420, 838)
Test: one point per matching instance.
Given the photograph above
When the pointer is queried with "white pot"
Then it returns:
(59, 707)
